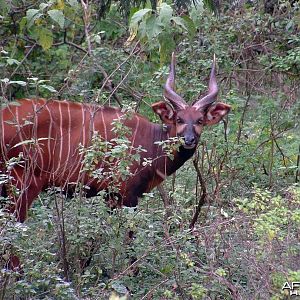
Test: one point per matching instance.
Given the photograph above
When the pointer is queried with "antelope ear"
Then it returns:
(165, 112)
(216, 112)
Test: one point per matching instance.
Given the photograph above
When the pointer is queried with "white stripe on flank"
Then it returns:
(104, 125)
(18, 123)
(83, 132)
(66, 161)
(36, 123)
(166, 156)
(118, 116)
(84, 143)
(92, 120)
(3, 146)
(135, 132)
(161, 174)
(83, 126)
(35, 146)
(50, 155)
(20, 136)
(61, 137)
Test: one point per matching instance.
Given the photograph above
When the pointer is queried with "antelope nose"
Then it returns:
(189, 140)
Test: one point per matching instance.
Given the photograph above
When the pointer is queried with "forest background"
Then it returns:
(227, 224)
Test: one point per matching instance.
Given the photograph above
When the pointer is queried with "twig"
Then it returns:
(272, 150)
(166, 199)
(107, 82)
(241, 123)
(298, 166)
(275, 136)
(163, 195)
(109, 85)
(181, 291)
(202, 197)
(153, 289)
(233, 290)
(137, 261)
(65, 42)
(86, 20)
(280, 150)
(22, 61)
(74, 76)
(62, 238)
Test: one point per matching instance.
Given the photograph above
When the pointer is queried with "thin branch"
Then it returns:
(298, 166)
(86, 20)
(148, 294)
(203, 196)
(72, 76)
(70, 44)
(22, 61)
(241, 123)
(166, 199)
(107, 82)
(62, 237)
(280, 150)
(163, 194)
(233, 290)
(109, 85)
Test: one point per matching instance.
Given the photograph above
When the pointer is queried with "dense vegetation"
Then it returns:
(243, 180)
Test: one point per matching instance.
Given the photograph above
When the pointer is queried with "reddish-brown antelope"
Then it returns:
(55, 130)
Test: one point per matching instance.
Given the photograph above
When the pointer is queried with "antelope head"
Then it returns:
(187, 121)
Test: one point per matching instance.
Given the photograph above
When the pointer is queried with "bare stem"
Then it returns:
(86, 20)
(202, 198)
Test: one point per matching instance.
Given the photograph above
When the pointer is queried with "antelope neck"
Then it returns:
(165, 164)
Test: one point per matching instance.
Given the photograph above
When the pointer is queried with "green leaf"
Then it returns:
(138, 16)
(179, 21)
(186, 23)
(19, 82)
(45, 38)
(49, 88)
(297, 19)
(72, 2)
(153, 27)
(57, 16)
(119, 287)
(32, 15)
(4, 8)
(22, 24)
(133, 10)
(196, 13)
(167, 45)
(44, 5)
(12, 61)
(165, 13)
(190, 25)
(210, 4)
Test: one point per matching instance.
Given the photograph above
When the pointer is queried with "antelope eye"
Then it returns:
(200, 122)
(179, 121)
